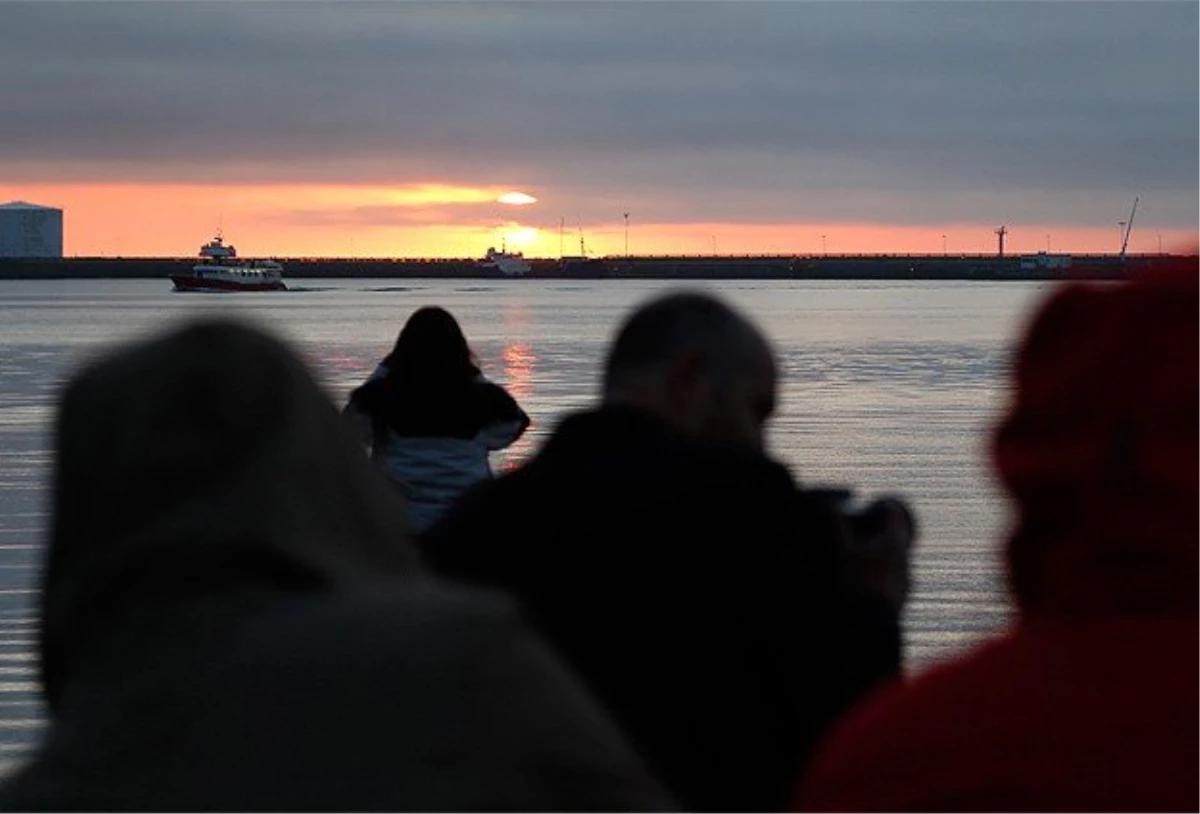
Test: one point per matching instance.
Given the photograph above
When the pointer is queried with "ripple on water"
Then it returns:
(889, 387)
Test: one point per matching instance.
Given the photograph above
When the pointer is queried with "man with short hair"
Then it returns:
(694, 361)
(709, 605)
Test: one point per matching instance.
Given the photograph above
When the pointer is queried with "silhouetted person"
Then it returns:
(232, 620)
(1089, 703)
(705, 601)
(431, 418)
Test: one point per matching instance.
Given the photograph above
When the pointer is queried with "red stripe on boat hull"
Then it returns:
(186, 282)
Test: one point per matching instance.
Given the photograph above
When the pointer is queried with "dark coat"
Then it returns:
(232, 618)
(693, 589)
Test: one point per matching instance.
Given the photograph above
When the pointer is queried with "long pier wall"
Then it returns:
(839, 267)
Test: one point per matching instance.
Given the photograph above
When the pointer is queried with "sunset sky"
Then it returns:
(393, 129)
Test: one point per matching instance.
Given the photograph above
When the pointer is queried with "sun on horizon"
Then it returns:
(517, 199)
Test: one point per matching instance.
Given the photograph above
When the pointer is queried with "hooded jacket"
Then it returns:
(232, 617)
(1090, 703)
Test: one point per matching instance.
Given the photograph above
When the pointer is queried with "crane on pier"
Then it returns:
(1128, 228)
(1001, 232)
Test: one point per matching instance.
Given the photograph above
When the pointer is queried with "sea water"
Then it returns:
(883, 387)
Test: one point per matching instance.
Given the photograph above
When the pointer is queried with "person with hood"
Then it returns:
(1090, 702)
(431, 418)
(231, 618)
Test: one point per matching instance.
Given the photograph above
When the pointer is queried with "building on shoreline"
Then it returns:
(30, 230)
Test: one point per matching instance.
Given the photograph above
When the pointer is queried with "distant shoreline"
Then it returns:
(824, 267)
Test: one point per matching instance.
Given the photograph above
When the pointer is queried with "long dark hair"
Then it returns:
(428, 378)
(431, 351)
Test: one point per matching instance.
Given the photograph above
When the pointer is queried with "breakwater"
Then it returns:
(834, 267)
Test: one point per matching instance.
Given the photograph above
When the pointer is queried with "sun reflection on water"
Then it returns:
(519, 368)
(520, 362)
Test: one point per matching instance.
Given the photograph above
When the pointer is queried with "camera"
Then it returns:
(864, 518)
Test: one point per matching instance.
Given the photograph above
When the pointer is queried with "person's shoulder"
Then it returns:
(633, 456)
(484, 388)
(895, 735)
(632, 433)
(412, 621)
(409, 608)
(732, 465)
(906, 703)
(494, 402)
(367, 393)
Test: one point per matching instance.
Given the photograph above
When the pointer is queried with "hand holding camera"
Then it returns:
(878, 535)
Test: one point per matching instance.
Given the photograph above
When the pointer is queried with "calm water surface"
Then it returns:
(886, 386)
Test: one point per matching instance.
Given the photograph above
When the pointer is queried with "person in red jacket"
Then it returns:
(1090, 702)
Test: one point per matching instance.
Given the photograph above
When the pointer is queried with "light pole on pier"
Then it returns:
(627, 234)
(823, 251)
(1047, 244)
(943, 245)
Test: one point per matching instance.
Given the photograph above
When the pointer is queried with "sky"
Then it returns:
(393, 128)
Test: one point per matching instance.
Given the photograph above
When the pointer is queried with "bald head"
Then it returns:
(698, 363)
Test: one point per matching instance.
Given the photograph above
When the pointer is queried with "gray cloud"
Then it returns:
(902, 112)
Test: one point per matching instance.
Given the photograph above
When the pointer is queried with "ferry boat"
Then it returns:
(508, 264)
(220, 269)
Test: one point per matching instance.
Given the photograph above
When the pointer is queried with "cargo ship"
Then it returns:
(220, 269)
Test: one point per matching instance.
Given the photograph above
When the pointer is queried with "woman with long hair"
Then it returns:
(431, 418)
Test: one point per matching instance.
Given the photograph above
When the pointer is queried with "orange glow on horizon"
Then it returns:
(448, 220)
(521, 236)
